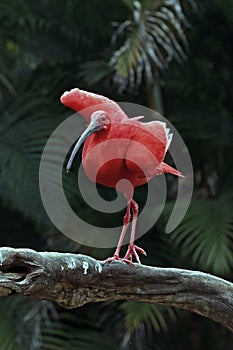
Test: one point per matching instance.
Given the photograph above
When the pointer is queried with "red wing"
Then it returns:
(160, 132)
(154, 136)
(87, 102)
(147, 149)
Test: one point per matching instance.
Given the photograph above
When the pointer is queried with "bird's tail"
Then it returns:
(168, 169)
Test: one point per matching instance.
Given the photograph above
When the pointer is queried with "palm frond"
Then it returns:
(206, 234)
(70, 334)
(134, 323)
(26, 124)
(32, 315)
(20, 327)
(147, 315)
(152, 38)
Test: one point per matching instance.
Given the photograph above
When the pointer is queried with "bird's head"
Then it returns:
(100, 119)
(98, 122)
(99, 111)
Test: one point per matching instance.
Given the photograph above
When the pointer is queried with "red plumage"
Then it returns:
(116, 148)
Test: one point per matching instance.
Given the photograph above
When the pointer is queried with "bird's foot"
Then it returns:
(117, 258)
(132, 252)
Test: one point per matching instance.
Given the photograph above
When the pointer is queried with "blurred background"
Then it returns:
(173, 56)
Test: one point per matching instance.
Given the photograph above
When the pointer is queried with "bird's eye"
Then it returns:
(103, 119)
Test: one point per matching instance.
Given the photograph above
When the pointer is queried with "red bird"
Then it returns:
(111, 134)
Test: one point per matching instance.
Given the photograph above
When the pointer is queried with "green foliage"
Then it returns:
(8, 329)
(95, 71)
(140, 318)
(26, 124)
(206, 234)
(21, 326)
(153, 36)
(30, 324)
(133, 323)
(72, 336)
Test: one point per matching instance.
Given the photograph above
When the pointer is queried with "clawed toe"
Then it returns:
(132, 252)
(117, 258)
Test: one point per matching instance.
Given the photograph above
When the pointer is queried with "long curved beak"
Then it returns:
(92, 127)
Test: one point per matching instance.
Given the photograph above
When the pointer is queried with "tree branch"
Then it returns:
(73, 280)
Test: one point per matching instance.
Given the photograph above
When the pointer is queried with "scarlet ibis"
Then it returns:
(106, 122)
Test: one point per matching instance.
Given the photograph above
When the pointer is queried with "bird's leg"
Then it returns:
(132, 248)
(126, 221)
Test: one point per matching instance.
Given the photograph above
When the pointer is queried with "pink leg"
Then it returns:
(126, 221)
(132, 248)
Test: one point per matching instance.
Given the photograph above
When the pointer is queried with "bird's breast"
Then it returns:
(123, 151)
(104, 155)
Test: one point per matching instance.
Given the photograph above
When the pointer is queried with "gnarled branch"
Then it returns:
(73, 280)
